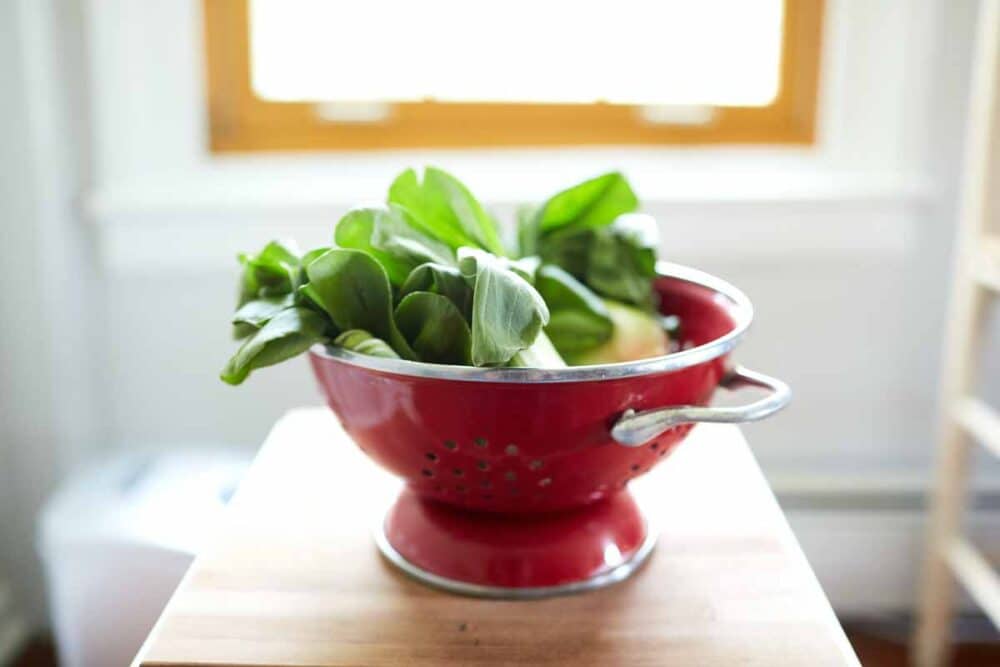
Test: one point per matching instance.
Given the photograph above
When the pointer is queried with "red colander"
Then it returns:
(516, 478)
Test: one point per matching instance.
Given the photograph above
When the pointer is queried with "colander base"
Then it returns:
(515, 556)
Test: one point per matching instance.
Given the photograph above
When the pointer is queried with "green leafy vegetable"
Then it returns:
(441, 207)
(441, 279)
(384, 234)
(622, 260)
(591, 204)
(594, 203)
(306, 260)
(353, 289)
(271, 272)
(435, 328)
(362, 342)
(258, 312)
(579, 320)
(507, 312)
(590, 231)
(289, 333)
(426, 278)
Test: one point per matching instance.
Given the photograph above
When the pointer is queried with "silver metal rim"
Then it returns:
(633, 429)
(612, 576)
(740, 308)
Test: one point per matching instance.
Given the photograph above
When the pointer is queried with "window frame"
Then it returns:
(239, 121)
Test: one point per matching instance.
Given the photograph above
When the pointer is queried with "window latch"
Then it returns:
(362, 113)
(677, 114)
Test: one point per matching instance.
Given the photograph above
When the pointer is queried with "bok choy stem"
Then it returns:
(541, 354)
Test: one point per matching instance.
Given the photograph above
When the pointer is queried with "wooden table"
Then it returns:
(295, 578)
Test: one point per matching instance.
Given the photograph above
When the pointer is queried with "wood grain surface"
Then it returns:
(295, 578)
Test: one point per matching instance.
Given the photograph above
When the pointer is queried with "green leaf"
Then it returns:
(443, 208)
(569, 249)
(271, 272)
(258, 312)
(578, 230)
(435, 328)
(289, 333)
(363, 342)
(578, 320)
(527, 230)
(440, 279)
(588, 205)
(242, 330)
(385, 235)
(306, 260)
(526, 267)
(507, 312)
(621, 261)
(353, 289)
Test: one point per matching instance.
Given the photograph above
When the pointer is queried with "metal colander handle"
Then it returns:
(635, 428)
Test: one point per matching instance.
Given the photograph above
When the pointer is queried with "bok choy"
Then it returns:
(428, 277)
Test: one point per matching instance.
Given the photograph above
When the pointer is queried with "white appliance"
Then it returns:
(116, 539)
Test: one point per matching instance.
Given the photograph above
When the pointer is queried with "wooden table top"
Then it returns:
(295, 578)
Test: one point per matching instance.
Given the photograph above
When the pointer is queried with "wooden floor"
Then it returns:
(873, 652)
(880, 652)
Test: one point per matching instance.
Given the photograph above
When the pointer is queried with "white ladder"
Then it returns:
(966, 419)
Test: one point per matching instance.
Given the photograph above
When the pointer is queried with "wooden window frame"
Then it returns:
(239, 121)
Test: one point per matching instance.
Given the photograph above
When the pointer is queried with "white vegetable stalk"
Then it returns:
(541, 354)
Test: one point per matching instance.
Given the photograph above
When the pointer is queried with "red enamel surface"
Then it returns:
(526, 551)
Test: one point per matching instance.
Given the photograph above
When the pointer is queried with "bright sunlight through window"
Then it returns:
(723, 53)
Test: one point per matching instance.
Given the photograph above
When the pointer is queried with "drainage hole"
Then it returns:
(450, 444)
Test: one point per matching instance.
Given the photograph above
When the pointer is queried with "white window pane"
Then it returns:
(685, 52)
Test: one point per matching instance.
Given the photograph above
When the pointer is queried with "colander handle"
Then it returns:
(635, 428)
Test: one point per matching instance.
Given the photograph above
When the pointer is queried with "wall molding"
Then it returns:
(864, 535)
(868, 561)
(203, 228)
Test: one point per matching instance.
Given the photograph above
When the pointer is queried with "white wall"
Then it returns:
(51, 352)
(843, 248)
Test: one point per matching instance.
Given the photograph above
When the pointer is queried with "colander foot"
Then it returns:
(515, 556)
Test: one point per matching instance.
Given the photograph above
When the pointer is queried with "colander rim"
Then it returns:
(741, 310)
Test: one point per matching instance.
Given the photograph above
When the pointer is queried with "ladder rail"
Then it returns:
(973, 570)
(962, 338)
(981, 422)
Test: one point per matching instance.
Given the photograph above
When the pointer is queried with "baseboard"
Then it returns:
(867, 547)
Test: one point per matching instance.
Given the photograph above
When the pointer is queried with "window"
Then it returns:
(327, 74)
